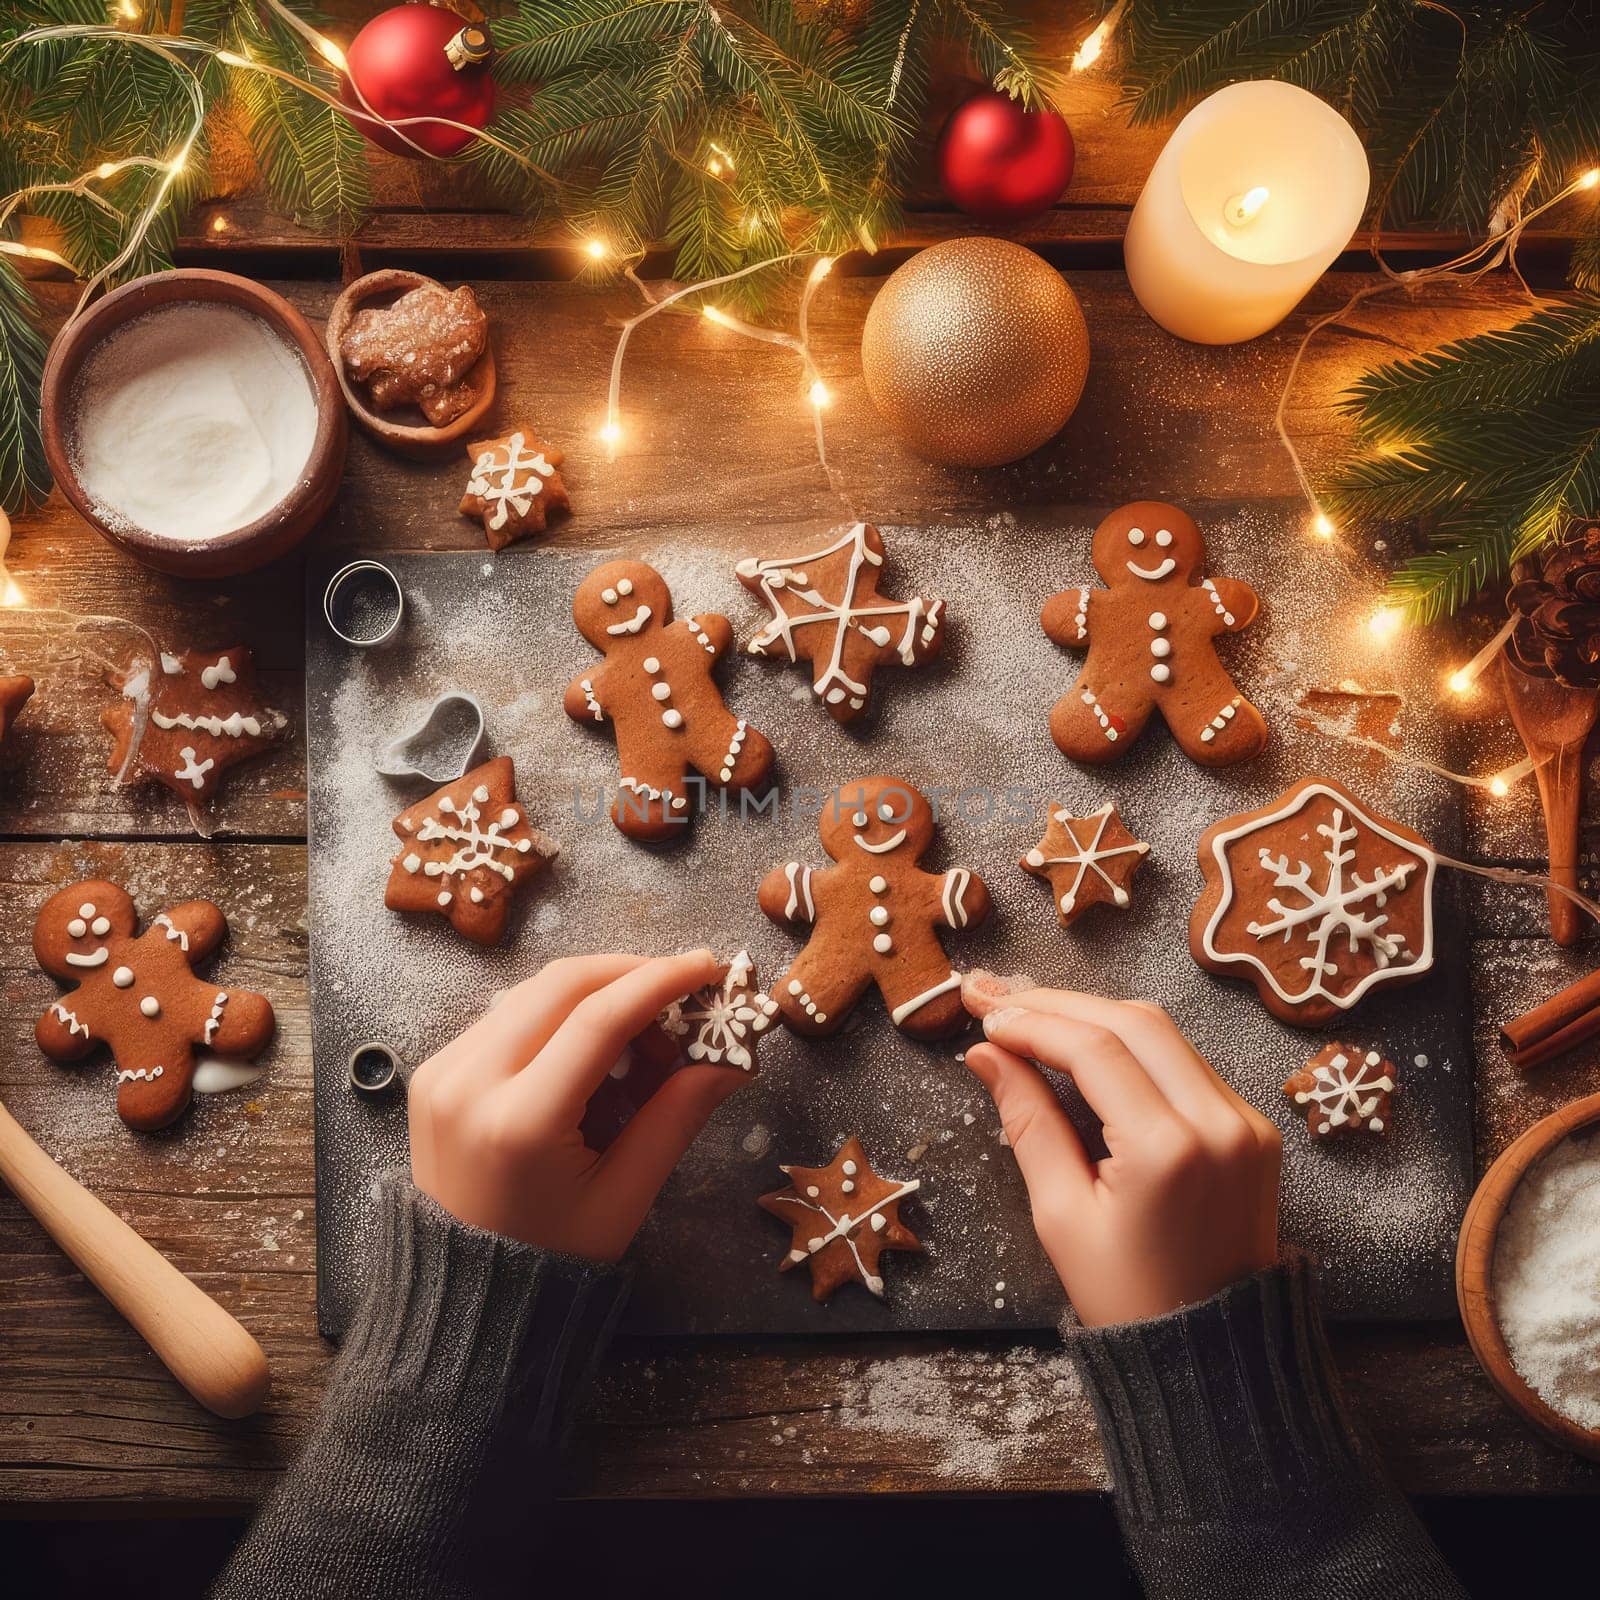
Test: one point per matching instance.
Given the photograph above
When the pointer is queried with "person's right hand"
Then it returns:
(1186, 1200)
(495, 1115)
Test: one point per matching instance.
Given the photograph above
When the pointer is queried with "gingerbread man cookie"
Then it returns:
(1087, 861)
(844, 1217)
(874, 915)
(1342, 1090)
(1149, 634)
(514, 487)
(187, 721)
(14, 695)
(826, 611)
(464, 850)
(139, 995)
(656, 689)
(1315, 900)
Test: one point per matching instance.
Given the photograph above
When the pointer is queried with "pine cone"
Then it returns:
(1558, 595)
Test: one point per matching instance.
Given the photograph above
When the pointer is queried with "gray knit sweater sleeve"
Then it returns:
(435, 1444)
(1237, 1471)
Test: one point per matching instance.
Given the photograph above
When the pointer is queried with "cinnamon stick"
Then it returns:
(1563, 1022)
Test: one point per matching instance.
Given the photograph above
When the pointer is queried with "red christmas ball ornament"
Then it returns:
(1001, 163)
(420, 60)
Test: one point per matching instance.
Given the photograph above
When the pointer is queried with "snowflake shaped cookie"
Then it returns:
(844, 1217)
(464, 850)
(1087, 861)
(826, 610)
(514, 487)
(721, 1023)
(1315, 900)
(1342, 1090)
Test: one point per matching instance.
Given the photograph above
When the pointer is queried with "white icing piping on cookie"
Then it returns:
(214, 1021)
(193, 771)
(98, 959)
(70, 1019)
(844, 1226)
(633, 624)
(496, 483)
(1331, 904)
(917, 1002)
(588, 697)
(1153, 574)
(139, 1074)
(164, 921)
(892, 843)
(1338, 1095)
(476, 846)
(231, 727)
(799, 891)
(1088, 857)
(955, 894)
(725, 774)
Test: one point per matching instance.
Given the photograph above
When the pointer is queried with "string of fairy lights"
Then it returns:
(124, 16)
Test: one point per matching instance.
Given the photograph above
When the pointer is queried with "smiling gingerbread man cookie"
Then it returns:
(1149, 634)
(139, 995)
(655, 688)
(874, 915)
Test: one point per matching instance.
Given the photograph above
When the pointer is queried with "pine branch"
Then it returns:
(1492, 441)
(24, 476)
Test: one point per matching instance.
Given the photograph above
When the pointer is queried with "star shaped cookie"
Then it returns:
(826, 611)
(844, 1217)
(186, 720)
(721, 1023)
(464, 850)
(1343, 1089)
(514, 487)
(1087, 861)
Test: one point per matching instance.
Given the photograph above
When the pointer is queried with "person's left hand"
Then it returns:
(495, 1115)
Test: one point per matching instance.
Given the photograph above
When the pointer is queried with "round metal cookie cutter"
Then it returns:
(363, 603)
(373, 1067)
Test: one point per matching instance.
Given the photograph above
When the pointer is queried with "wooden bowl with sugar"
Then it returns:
(262, 537)
(1475, 1258)
(420, 440)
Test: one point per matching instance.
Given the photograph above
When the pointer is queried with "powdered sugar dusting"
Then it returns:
(975, 721)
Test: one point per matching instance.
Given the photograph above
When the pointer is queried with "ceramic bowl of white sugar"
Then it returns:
(194, 418)
(1528, 1275)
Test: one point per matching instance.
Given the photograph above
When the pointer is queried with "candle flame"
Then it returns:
(1243, 207)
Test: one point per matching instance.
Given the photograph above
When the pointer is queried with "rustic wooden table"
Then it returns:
(717, 436)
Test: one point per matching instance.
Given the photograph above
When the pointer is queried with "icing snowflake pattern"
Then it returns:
(1342, 1088)
(725, 1019)
(508, 478)
(1352, 928)
(475, 845)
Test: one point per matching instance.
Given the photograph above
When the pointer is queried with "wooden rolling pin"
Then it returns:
(205, 1349)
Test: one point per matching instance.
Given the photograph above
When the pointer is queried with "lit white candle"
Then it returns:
(1256, 192)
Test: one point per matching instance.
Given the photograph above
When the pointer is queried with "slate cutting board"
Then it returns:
(1381, 1214)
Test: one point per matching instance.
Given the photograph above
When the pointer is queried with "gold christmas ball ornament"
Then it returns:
(975, 352)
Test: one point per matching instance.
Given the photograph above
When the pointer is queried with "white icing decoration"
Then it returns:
(1136, 537)
(510, 484)
(652, 664)
(878, 917)
(724, 1018)
(625, 587)
(69, 1018)
(588, 696)
(1099, 715)
(101, 926)
(725, 772)
(77, 927)
(830, 681)
(1163, 537)
(222, 672)
(1161, 647)
(86, 909)
(633, 624)
(173, 932)
(171, 665)
(892, 843)
(137, 1074)
(231, 727)
(878, 885)
(883, 944)
(123, 977)
(97, 959)
(1156, 573)
(1343, 1096)
(214, 1021)
(150, 1006)
(799, 895)
(954, 898)
(672, 718)
(844, 1225)
(1332, 909)
(193, 771)
(1158, 620)
(1087, 858)
(1216, 602)
(701, 636)
(476, 845)
(1161, 672)
(1221, 720)
(917, 1002)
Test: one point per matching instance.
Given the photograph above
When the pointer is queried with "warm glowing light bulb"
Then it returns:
(610, 434)
(231, 58)
(1242, 208)
(717, 315)
(819, 394)
(1499, 788)
(1384, 624)
(177, 163)
(1460, 681)
(596, 249)
(219, 224)
(332, 53)
(714, 167)
(128, 9)
(823, 267)
(1590, 178)
(1092, 48)
(105, 169)
(1322, 525)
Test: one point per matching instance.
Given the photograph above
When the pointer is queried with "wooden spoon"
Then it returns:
(1554, 722)
(204, 1348)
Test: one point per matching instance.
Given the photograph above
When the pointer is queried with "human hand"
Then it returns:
(1186, 1200)
(495, 1115)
